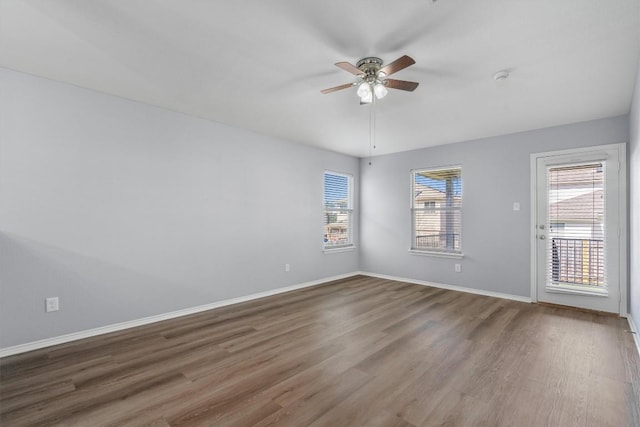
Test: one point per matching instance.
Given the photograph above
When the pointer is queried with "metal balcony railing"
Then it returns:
(438, 241)
(577, 261)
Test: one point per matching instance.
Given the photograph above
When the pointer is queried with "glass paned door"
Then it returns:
(576, 218)
(577, 234)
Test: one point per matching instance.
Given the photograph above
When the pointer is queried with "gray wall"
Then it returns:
(495, 173)
(125, 210)
(634, 203)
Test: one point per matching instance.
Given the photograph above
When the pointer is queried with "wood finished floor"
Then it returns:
(356, 352)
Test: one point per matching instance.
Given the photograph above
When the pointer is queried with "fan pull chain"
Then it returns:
(373, 115)
(372, 128)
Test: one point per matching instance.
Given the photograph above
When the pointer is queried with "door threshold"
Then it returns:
(584, 310)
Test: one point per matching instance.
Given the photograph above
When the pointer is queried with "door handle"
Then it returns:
(542, 237)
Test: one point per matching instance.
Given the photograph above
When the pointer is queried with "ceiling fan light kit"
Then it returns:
(372, 77)
(380, 90)
(364, 90)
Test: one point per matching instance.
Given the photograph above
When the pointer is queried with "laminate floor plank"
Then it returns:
(211, 398)
(143, 408)
(393, 366)
(385, 419)
(416, 398)
(56, 410)
(34, 395)
(459, 409)
(33, 380)
(313, 404)
(605, 347)
(316, 377)
(361, 351)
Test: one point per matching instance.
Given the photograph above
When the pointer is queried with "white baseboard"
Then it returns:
(636, 332)
(35, 345)
(450, 287)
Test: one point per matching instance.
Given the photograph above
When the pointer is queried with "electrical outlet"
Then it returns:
(516, 206)
(52, 304)
(287, 268)
(457, 268)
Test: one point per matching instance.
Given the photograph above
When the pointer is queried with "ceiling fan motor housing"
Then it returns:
(370, 67)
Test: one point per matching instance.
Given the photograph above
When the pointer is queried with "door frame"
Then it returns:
(622, 215)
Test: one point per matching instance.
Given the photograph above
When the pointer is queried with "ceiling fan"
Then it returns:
(372, 77)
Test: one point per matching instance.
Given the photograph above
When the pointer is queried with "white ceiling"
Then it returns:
(261, 64)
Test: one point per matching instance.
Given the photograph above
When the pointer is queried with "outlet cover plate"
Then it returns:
(52, 304)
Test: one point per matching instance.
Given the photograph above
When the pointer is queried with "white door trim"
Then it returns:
(622, 215)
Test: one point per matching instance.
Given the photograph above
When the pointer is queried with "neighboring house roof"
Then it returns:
(585, 208)
(576, 176)
(424, 192)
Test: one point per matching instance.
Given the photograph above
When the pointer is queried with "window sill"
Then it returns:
(436, 254)
(339, 249)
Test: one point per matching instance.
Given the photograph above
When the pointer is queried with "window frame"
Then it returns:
(348, 211)
(446, 253)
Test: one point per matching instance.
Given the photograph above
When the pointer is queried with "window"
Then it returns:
(338, 210)
(430, 204)
(576, 215)
(435, 210)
